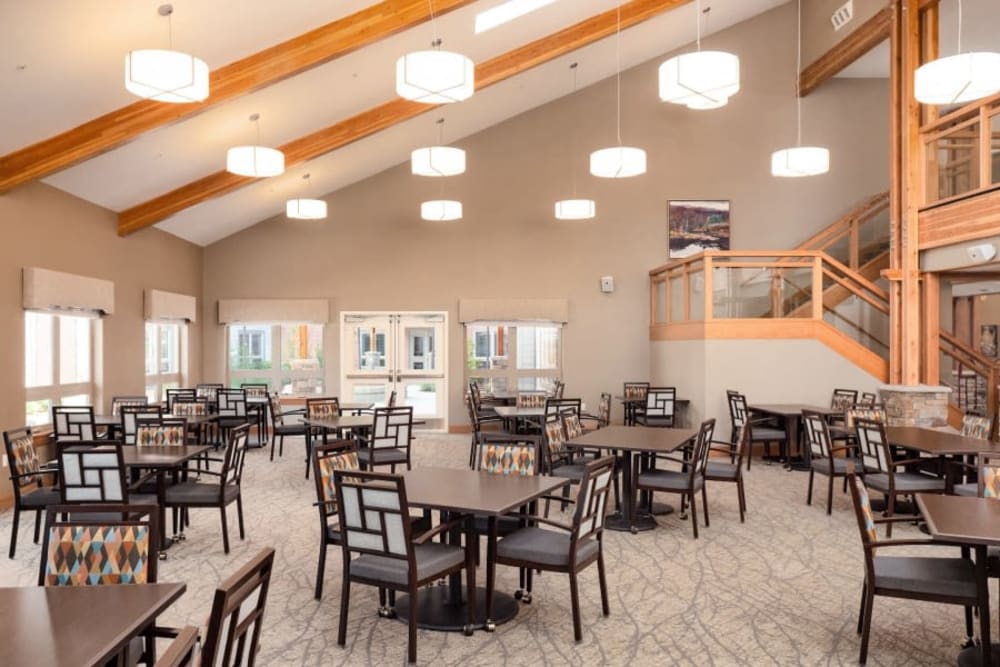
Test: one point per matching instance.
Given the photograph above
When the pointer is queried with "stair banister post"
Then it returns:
(854, 245)
(817, 288)
(709, 288)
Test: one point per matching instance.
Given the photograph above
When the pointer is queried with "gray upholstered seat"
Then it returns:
(970, 489)
(505, 525)
(762, 433)
(198, 492)
(383, 455)
(431, 558)
(934, 576)
(570, 471)
(839, 466)
(668, 480)
(906, 482)
(547, 547)
(721, 470)
(40, 498)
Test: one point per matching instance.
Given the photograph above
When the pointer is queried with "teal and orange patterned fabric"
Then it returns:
(574, 429)
(324, 410)
(989, 477)
(190, 409)
(555, 437)
(25, 459)
(874, 414)
(158, 435)
(977, 427)
(509, 460)
(866, 511)
(329, 464)
(92, 555)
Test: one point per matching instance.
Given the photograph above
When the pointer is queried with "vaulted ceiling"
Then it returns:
(61, 62)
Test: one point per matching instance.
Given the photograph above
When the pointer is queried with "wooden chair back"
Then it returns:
(163, 432)
(842, 399)
(22, 458)
(873, 445)
(374, 515)
(393, 427)
(234, 626)
(131, 414)
(509, 454)
(72, 422)
(592, 500)
(92, 472)
(118, 402)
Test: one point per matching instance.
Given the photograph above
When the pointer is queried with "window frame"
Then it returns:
(275, 374)
(57, 392)
(511, 373)
(159, 381)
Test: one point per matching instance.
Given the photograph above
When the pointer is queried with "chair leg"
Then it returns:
(225, 530)
(829, 496)
(320, 569)
(742, 498)
(603, 580)
(239, 515)
(861, 611)
(809, 491)
(704, 502)
(38, 523)
(13, 533)
(345, 604)
(749, 456)
(866, 624)
(694, 515)
(272, 447)
(412, 639)
(890, 509)
(574, 598)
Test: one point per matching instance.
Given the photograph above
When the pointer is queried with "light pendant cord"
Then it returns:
(960, 26)
(798, 70)
(573, 138)
(435, 42)
(698, 20)
(618, 68)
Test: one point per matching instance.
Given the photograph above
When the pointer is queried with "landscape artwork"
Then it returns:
(696, 225)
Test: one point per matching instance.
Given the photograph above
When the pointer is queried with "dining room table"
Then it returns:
(790, 415)
(456, 491)
(974, 522)
(625, 441)
(77, 626)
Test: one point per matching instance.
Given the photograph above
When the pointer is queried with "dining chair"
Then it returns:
(477, 421)
(326, 407)
(687, 482)
(94, 472)
(118, 402)
(130, 414)
(161, 432)
(480, 404)
(717, 470)
(72, 422)
(182, 393)
(556, 409)
(531, 399)
(237, 616)
(327, 458)
(389, 439)
(26, 480)
(634, 394)
(763, 431)
(659, 408)
(826, 459)
(603, 416)
(182, 651)
(880, 468)
(219, 494)
(977, 426)
(570, 548)
(558, 389)
(843, 399)
(184, 406)
(373, 512)
(208, 390)
(868, 399)
(231, 407)
(948, 580)
(280, 429)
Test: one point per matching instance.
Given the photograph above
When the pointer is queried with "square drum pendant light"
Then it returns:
(702, 79)
(618, 162)
(441, 210)
(575, 209)
(960, 78)
(800, 161)
(255, 161)
(435, 77)
(305, 209)
(164, 75)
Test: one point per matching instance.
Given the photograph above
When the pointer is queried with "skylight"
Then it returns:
(506, 12)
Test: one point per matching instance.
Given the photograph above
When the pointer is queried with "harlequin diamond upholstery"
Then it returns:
(509, 460)
(555, 437)
(327, 464)
(574, 429)
(866, 510)
(974, 426)
(25, 459)
(159, 435)
(324, 409)
(91, 555)
(990, 476)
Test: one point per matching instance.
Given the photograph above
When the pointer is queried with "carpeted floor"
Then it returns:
(782, 589)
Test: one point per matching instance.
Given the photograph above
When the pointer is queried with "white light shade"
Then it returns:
(700, 80)
(166, 76)
(255, 161)
(618, 162)
(305, 209)
(435, 77)
(800, 161)
(575, 209)
(438, 161)
(441, 210)
(956, 79)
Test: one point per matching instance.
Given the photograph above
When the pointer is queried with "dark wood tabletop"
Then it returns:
(471, 491)
(636, 438)
(343, 421)
(161, 456)
(791, 409)
(938, 443)
(74, 626)
(961, 518)
(508, 411)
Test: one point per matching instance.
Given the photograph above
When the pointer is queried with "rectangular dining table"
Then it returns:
(939, 443)
(626, 440)
(791, 415)
(460, 491)
(77, 626)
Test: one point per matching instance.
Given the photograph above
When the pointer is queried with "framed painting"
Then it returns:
(988, 340)
(696, 225)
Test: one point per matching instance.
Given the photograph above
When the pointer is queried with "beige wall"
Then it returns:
(818, 35)
(375, 253)
(47, 228)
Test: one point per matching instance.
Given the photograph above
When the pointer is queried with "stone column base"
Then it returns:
(917, 405)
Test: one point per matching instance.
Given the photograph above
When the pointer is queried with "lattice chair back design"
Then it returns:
(737, 409)
(160, 432)
(509, 455)
(73, 422)
(90, 549)
(130, 416)
(183, 394)
(234, 626)
(872, 445)
(194, 407)
(817, 435)
(868, 399)
(232, 403)
(208, 391)
(393, 427)
(975, 426)
(118, 402)
(660, 404)
(592, 499)
(531, 399)
(843, 399)
(92, 473)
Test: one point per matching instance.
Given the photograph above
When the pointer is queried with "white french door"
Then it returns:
(405, 352)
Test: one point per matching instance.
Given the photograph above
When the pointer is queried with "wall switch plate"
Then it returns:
(608, 284)
(843, 15)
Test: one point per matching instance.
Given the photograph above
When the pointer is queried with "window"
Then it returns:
(286, 357)
(163, 359)
(57, 364)
(536, 348)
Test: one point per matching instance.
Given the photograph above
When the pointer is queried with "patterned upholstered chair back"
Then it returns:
(858, 411)
(234, 626)
(22, 456)
(842, 399)
(604, 410)
(323, 408)
(974, 426)
(194, 407)
(392, 427)
(208, 391)
(327, 459)
(572, 426)
(232, 403)
(255, 390)
(635, 390)
(559, 408)
(73, 422)
(130, 416)
(592, 499)
(989, 480)
(92, 549)
(863, 512)
(160, 432)
(660, 402)
(118, 402)
(92, 473)
(558, 389)
(555, 438)
(502, 454)
(873, 445)
(531, 399)
(374, 514)
(183, 394)
(817, 435)
(868, 399)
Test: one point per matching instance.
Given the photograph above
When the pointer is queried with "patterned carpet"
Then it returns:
(781, 589)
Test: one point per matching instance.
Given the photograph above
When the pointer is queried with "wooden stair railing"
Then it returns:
(965, 360)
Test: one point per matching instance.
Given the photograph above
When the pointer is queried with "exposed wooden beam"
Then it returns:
(866, 37)
(397, 111)
(246, 75)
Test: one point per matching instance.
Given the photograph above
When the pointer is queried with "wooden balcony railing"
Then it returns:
(972, 376)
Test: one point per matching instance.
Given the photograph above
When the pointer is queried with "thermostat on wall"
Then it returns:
(608, 284)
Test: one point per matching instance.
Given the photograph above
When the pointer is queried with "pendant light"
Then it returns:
(305, 209)
(435, 76)
(700, 80)
(960, 78)
(574, 209)
(800, 160)
(165, 75)
(441, 210)
(255, 161)
(438, 160)
(618, 161)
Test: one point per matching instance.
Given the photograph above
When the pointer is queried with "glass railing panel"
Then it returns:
(858, 319)
(795, 285)
(660, 301)
(743, 292)
(696, 295)
(677, 299)
(840, 249)
(954, 165)
(995, 147)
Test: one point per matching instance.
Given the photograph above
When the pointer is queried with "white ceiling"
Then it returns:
(77, 49)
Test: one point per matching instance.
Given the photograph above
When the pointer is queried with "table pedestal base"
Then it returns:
(662, 509)
(973, 656)
(435, 610)
(618, 522)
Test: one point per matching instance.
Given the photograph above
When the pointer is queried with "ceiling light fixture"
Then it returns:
(800, 160)
(435, 76)
(305, 209)
(574, 209)
(702, 79)
(618, 161)
(441, 210)
(165, 75)
(255, 161)
(960, 78)
(507, 12)
(438, 160)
